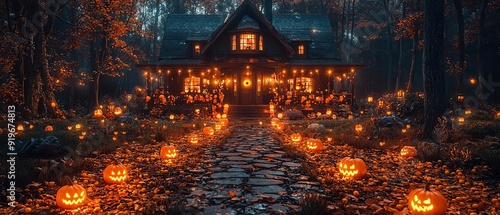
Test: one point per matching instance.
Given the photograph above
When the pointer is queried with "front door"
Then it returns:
(247, 86)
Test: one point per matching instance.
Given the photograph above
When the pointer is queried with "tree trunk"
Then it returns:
(433, 63)
(352, 29)
(390, 72)
(155, 32)
(480, 44)
(401, 56)
(413, 64)
(461, 45)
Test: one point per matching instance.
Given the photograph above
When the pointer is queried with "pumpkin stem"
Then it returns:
(427, 186)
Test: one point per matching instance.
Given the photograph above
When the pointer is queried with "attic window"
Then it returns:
(197, 49)
(247, 42)
(301, 49)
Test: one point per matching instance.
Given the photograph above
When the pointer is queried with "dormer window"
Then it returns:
(301, 50)
(247, 42)
(197, 49)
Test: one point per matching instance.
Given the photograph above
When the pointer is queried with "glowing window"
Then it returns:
(301, 49)
(233, 42)
(192, 84)
(197, 49)
(303, 84)
(247, 42)
(261, 43)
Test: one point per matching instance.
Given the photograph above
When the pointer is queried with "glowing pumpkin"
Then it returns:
(148, 98)
(280, 115)
(168, 152)
(97, 113)
(78, 126)
(296, 137)
(359, 128)
(314, 145)
(370, 99)
(274, 121)
(70, 196)
(280, 126)
(117, 111)
(408, 151)
(193, 139)
(49, 128)
(224, 121)
(208, 131)
(115, 174)
(424, 201)
(20, 128)
(172, 117)
(352, 167)
(218, 127)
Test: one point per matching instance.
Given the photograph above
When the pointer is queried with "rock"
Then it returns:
(48, 147)
(389, 121)
(316, 128)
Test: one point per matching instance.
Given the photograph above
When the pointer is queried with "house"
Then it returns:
(251, 58)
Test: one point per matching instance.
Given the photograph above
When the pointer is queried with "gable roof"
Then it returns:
(313, 28)
(182, 27)
(247, 4)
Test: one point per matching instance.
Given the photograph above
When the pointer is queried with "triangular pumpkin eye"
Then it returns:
(415, 198)
(112, 172)
(352, 167)
(68, 196)
(76, 195)
(427, 201)
(345, 166)
(81, 194)
(119, 173)
(124, 172)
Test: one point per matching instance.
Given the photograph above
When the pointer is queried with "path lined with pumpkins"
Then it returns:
(252, 168)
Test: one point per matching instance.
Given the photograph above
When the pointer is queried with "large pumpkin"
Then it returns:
(168, 152)
(208, 131)
(424, 201)
(296, 137)
(408, 151)
(115, 174)
(352, 167)
(70, 196)
(314, 145)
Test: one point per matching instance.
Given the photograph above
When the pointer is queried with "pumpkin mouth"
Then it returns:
(349, 173)
(171, 155)
(75, 200)
(416, 204)
(118, 178)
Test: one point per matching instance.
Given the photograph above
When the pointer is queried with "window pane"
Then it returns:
(301, 49)
(247, 42)
(192, 84)
(261, 43)
(197, 49)
(233, 42)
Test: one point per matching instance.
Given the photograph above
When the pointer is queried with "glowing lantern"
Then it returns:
(472, 81)
(370, 99)
(171, 117)
(193, 139)
(408, 151)
(148, 98)
(115, 174)
(224, 116)
(280, 115)
(70, 196)
(53, 104)
(274, 121)
(401, 94)
(461, 120)
(97, 113)
(208, 131)
(425, 201)
(224, 122)
(381, 103)
(296, 137)
(467, 112)
(328, 112)
(117, 111)
(20, 128)
(359, 128)
(352, 167)
(49, 128)
(314, 145)
(350, 117)
(168, 152)
(260, 122)
(78, 126)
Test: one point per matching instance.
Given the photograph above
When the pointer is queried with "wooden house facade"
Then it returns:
(251, 58)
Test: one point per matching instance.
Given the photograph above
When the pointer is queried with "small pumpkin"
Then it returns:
(193, 139)
(115, 174)
(98, 113)
(314, 144)
(352, 167)
(224, 121)
(209, 131)
(296, 137)
(117, 111)
(168, 152)
(359, 128)
(280, 126)
(49, 128)
(218, 127)
(408, 151)
(424, 201)
(70, 196)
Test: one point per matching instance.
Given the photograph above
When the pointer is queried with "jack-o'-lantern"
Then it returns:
(117, 111)
(20, 128)
(168, 152)
(209, 131)
(296, 137)
(97, 113)
(408, 151)
(314, 145)
(461, 120)
(359, 128)
(193, 139)
(224, 116)
(350, 117)
(224, 121)
(352, 167)
(218, 126)
(171, 117)
(70, 196)
(280, 126)
(467, 112)
(424, 201)
(329, 112)
(78, 126)
(274, 121)
(370, 99)
(115, 174)
(49, 128)
(280, 116)
(148, 98)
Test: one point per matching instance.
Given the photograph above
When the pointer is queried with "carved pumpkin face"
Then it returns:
(208, 131)
(117, 111)
(408, 151)
(296, 137)
(168, 152)
(70, 196)
(425, 201)
(224, 121)
(315, 145)
(49, 128)
(352, 167)
(98, 113)
(115, 174)
(280, 126)
(193, 139)
(218, 126)
(274, 121)
(359, 128)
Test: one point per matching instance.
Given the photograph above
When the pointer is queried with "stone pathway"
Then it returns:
(250, 175)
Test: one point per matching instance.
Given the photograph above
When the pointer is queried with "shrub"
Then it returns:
(313, 203)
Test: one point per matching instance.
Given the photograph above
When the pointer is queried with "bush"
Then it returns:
(313, 203)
